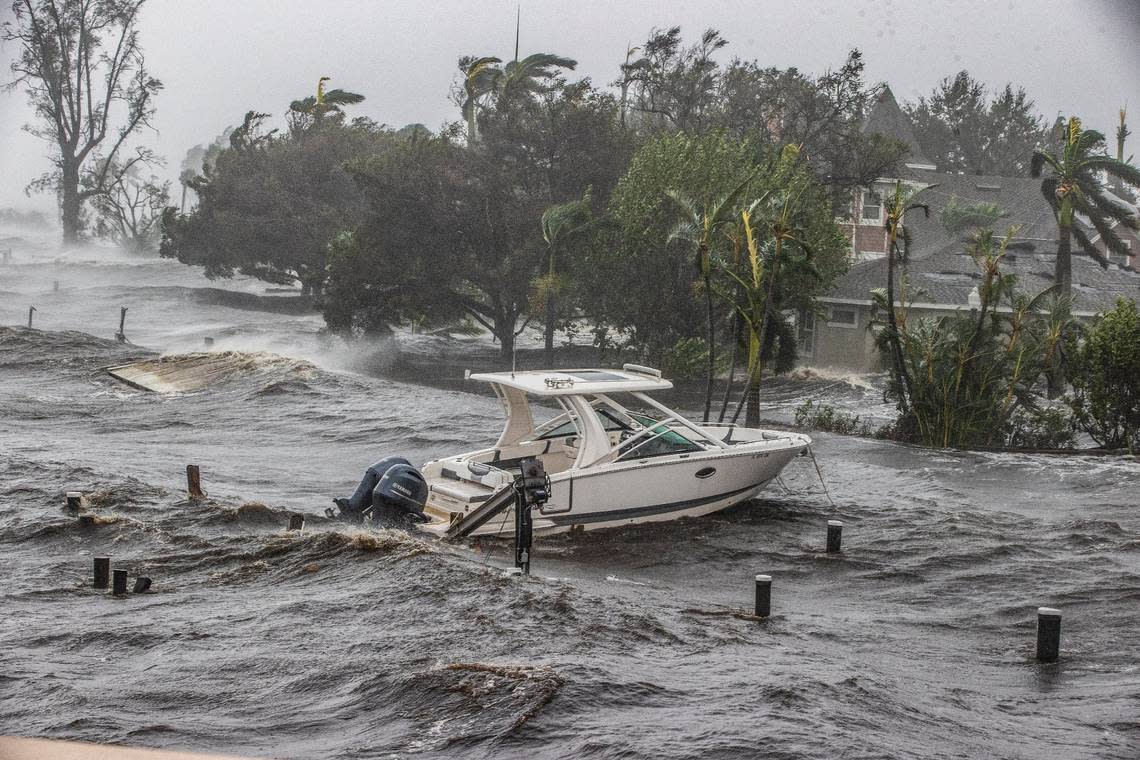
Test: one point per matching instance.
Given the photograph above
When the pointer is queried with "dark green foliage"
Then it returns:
(270, 204)
(1105, 374)
(974, 376)
(648, 288)
(959, 215)
(455, 229)
(964, 128)
(674, 87)
(812, 416)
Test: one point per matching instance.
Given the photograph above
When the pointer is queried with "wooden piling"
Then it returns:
(1048, 634)
(142, 585)
(834, 536)
(119, 581)
(296, 522)
(102, 572)
(194, 482)
(763, 595)
(120, 335)
(31, 311)
(74, 501)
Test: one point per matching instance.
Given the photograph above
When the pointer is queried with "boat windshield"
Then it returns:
(640, 435)
(661, 440)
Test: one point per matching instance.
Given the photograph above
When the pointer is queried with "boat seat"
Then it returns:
(465, 491)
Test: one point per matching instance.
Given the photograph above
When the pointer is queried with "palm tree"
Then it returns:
(698, 225)
(478, 80)
(485, 81)
(561, 224)
(784, 238)
(310, 111)
(1075, 185)
(895, 209)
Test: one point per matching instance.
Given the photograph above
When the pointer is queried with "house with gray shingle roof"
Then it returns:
(941, 277)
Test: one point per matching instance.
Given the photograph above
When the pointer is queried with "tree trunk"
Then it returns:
(70, 203)
(1063, 269)
(712, 350)
(505, 332)
(1063, 276)
(736, 331)
(896, 347)
(549, 331)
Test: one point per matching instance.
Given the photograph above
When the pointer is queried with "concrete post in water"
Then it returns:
(209, 342)
(296, 522)
(31, 311)
(834, 536)
(74, 501)
(102, 572)
(7, 255)
(763, 595)
(194, 482)
(120, 335)
(87, 521)
(118, 581)
(1048, 634)
(142, 585)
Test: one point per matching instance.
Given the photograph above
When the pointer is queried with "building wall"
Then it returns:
(842, 346)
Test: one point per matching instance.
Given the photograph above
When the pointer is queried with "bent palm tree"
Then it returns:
(561, 224)
(530, 75)
(785, 236)
(895, 209)
(698, 225)
(478, 79)
(1074, 185)
(312, 110)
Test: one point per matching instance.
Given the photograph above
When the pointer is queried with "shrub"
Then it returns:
(825, 417)
(1105, 374)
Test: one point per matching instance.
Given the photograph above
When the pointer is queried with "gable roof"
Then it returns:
(887, 118)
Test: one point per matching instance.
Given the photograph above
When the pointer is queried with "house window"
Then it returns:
(841, 316)
(872, 206)
(805, 327)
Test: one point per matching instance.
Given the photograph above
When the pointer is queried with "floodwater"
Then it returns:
(916, 641)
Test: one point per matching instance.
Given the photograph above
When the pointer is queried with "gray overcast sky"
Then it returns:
(220, 58)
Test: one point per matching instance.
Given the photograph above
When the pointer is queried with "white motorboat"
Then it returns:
(614, 456)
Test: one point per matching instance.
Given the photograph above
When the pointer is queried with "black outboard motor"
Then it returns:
(354, 507)
(400, 496)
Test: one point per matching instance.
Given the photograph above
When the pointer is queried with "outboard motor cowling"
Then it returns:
(354, 507)
(402, 492)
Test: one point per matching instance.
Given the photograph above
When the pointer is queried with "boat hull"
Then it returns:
(655, 489)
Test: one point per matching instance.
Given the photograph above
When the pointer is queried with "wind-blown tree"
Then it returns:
(129, 212)
(901, 202)
(81, 64)
(563, 225)
(976, 375)
(473, 213)
(647, 288)
(964, 128)
(772, 222)
(1074, 184)
(488, 85)
(700, 225)
(315, 110)
(673, 86)
(271, 203)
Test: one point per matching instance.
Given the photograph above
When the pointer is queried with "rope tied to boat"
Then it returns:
(820, 475)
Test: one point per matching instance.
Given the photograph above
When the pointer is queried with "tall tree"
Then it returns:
(129, 212)
(964, 128)
(315, 110)
(896, 207)
(82, 66)
(1075, 184)
(488, 85)
(562, 224)
(700, 225)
